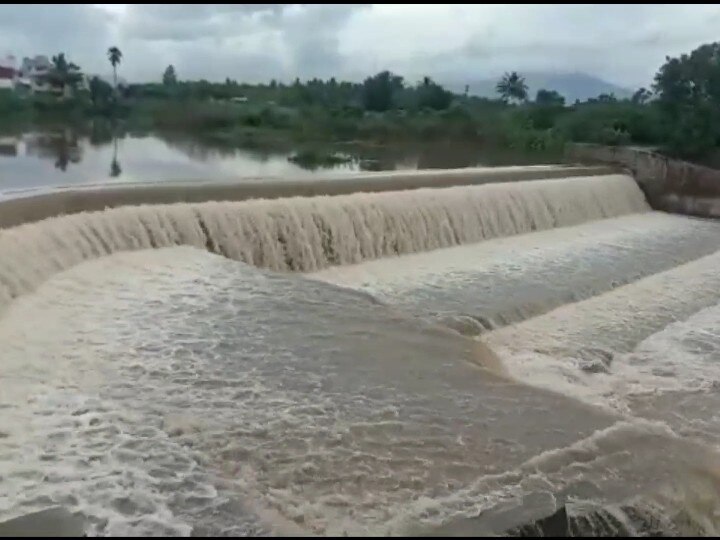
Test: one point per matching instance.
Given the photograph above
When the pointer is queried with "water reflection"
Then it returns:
(115, 169)
(208, 150)
(62, 147)
(102, 133)
(8, 146)
(103, 152)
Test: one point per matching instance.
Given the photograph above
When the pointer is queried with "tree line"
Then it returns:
(680, 112)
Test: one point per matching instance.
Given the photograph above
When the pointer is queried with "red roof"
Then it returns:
(7, 73)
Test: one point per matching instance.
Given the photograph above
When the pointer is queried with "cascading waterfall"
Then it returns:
(307, 234)
(170, 391)
(484, 286)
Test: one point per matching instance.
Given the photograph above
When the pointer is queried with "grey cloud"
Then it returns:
(78, 30)
(312, 38)
(256, 42)
(296, 39)
(182, 22)
(217, 64)
(623, 44)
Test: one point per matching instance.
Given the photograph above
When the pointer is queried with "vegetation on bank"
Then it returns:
(679, 115)
(313, 159)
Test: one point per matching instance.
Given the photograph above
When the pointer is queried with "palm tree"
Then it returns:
(512, 87)
(115, 57)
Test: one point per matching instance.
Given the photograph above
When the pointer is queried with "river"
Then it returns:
(376, 363)
(70, 156)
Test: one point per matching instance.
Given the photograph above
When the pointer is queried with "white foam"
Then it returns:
(574, 348)
(601, 470)
(490, 284)
(211, 384)
(306, 234)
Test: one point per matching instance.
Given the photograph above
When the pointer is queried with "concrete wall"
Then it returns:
(670, 185)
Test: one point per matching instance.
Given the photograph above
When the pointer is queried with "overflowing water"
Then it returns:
(460, 361)
(306, 234)
(586, 340)
(484, 286)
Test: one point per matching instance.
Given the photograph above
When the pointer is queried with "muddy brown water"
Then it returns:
(299, 366)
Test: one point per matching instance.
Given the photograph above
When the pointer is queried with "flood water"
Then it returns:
(68, 156)
(63, 157)
(459, 360)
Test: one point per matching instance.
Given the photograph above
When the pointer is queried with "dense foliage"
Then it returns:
(680, 115)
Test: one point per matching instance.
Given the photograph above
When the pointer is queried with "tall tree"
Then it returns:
(549, 97)
(431, 95)
(549, 105)
(641, 96)
(60, 63)
(688, 95)
(115, 57)
(64, 74)
(100, 91)
(169, 76)
(607, 98)
(512, 87)
(379, 91)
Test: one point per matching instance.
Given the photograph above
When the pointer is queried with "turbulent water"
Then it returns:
(305, 234)
(488, 285)
(533, 345)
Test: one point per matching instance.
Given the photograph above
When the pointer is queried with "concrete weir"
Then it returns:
(23, 207)
(156, 389)
(301, 234)
(670, 185)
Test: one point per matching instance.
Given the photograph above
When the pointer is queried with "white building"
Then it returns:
(34, 74)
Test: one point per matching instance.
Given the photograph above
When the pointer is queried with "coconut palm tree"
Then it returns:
(512, 87)
(115, 57)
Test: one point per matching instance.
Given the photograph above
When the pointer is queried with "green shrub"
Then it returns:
(11, 103)
(314, 159)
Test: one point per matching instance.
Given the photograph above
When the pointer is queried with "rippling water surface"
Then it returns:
(466, 389)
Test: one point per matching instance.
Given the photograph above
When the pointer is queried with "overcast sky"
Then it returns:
(624, 44)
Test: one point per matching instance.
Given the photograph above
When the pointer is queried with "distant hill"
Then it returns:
(571, 85)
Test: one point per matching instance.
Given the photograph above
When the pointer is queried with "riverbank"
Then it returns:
(317, 134)
(311, 129)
